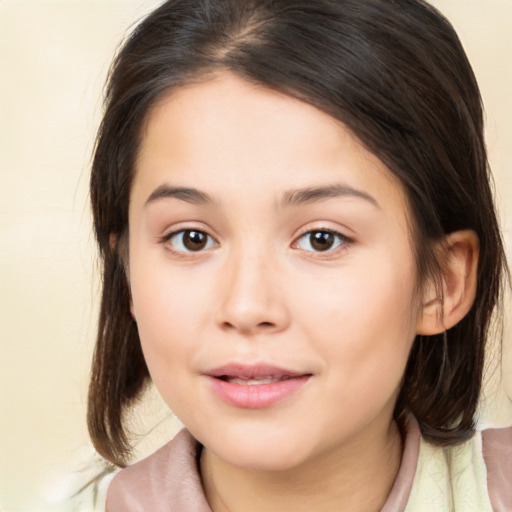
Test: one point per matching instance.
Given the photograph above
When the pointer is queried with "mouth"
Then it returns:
(254, 381)
(255, 386)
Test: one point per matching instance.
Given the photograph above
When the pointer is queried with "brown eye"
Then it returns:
(194, 240)
(321, 240)
(191, 240)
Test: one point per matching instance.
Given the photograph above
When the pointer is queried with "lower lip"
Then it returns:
(257, 396)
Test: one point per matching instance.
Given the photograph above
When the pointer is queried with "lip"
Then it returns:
(255, 396)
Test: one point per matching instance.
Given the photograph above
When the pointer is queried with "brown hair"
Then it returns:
(395, 73)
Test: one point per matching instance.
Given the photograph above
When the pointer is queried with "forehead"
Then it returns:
(233, 138)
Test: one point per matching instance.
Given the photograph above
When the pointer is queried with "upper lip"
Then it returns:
(248, 371)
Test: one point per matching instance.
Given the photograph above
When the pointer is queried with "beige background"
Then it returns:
(53, 60)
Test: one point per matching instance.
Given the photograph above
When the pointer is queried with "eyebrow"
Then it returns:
(296, 197)
(188, 194)
(314, 194)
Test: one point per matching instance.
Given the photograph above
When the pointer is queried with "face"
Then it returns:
(272, 274)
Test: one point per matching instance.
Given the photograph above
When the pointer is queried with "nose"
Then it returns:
(252, 299)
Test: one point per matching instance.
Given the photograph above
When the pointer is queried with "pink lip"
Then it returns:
(256, 396)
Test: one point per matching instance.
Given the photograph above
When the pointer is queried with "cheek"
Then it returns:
(167, 311)
(168, 328)
(365, 337)
(363, 319)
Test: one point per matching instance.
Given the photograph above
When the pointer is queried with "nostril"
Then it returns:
(248, 328)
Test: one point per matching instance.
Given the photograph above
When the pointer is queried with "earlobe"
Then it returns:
(459, 264)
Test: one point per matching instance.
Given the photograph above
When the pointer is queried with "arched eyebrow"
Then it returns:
(313, 194)
(188, 194)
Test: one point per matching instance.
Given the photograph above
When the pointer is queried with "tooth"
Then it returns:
(254, 381)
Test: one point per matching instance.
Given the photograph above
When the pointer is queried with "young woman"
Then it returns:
(300, 250)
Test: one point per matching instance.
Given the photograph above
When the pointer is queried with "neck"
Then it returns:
(354, 477)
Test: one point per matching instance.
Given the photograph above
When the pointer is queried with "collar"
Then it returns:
(169, 479)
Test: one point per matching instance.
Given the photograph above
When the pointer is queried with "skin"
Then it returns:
(259, 293)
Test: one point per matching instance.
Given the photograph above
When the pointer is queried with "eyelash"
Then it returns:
(341, 240)
(167, 240)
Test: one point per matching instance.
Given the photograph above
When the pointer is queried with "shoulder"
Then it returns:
(166, 481)
(497, 454)
(473, 476)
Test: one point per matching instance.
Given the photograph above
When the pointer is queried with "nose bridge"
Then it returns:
(252, 298)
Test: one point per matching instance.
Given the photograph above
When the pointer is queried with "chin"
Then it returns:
(258, 449)
(259, 458)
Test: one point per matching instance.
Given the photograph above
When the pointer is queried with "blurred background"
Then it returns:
(54, 56)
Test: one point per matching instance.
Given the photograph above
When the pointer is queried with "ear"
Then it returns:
(442, 309)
